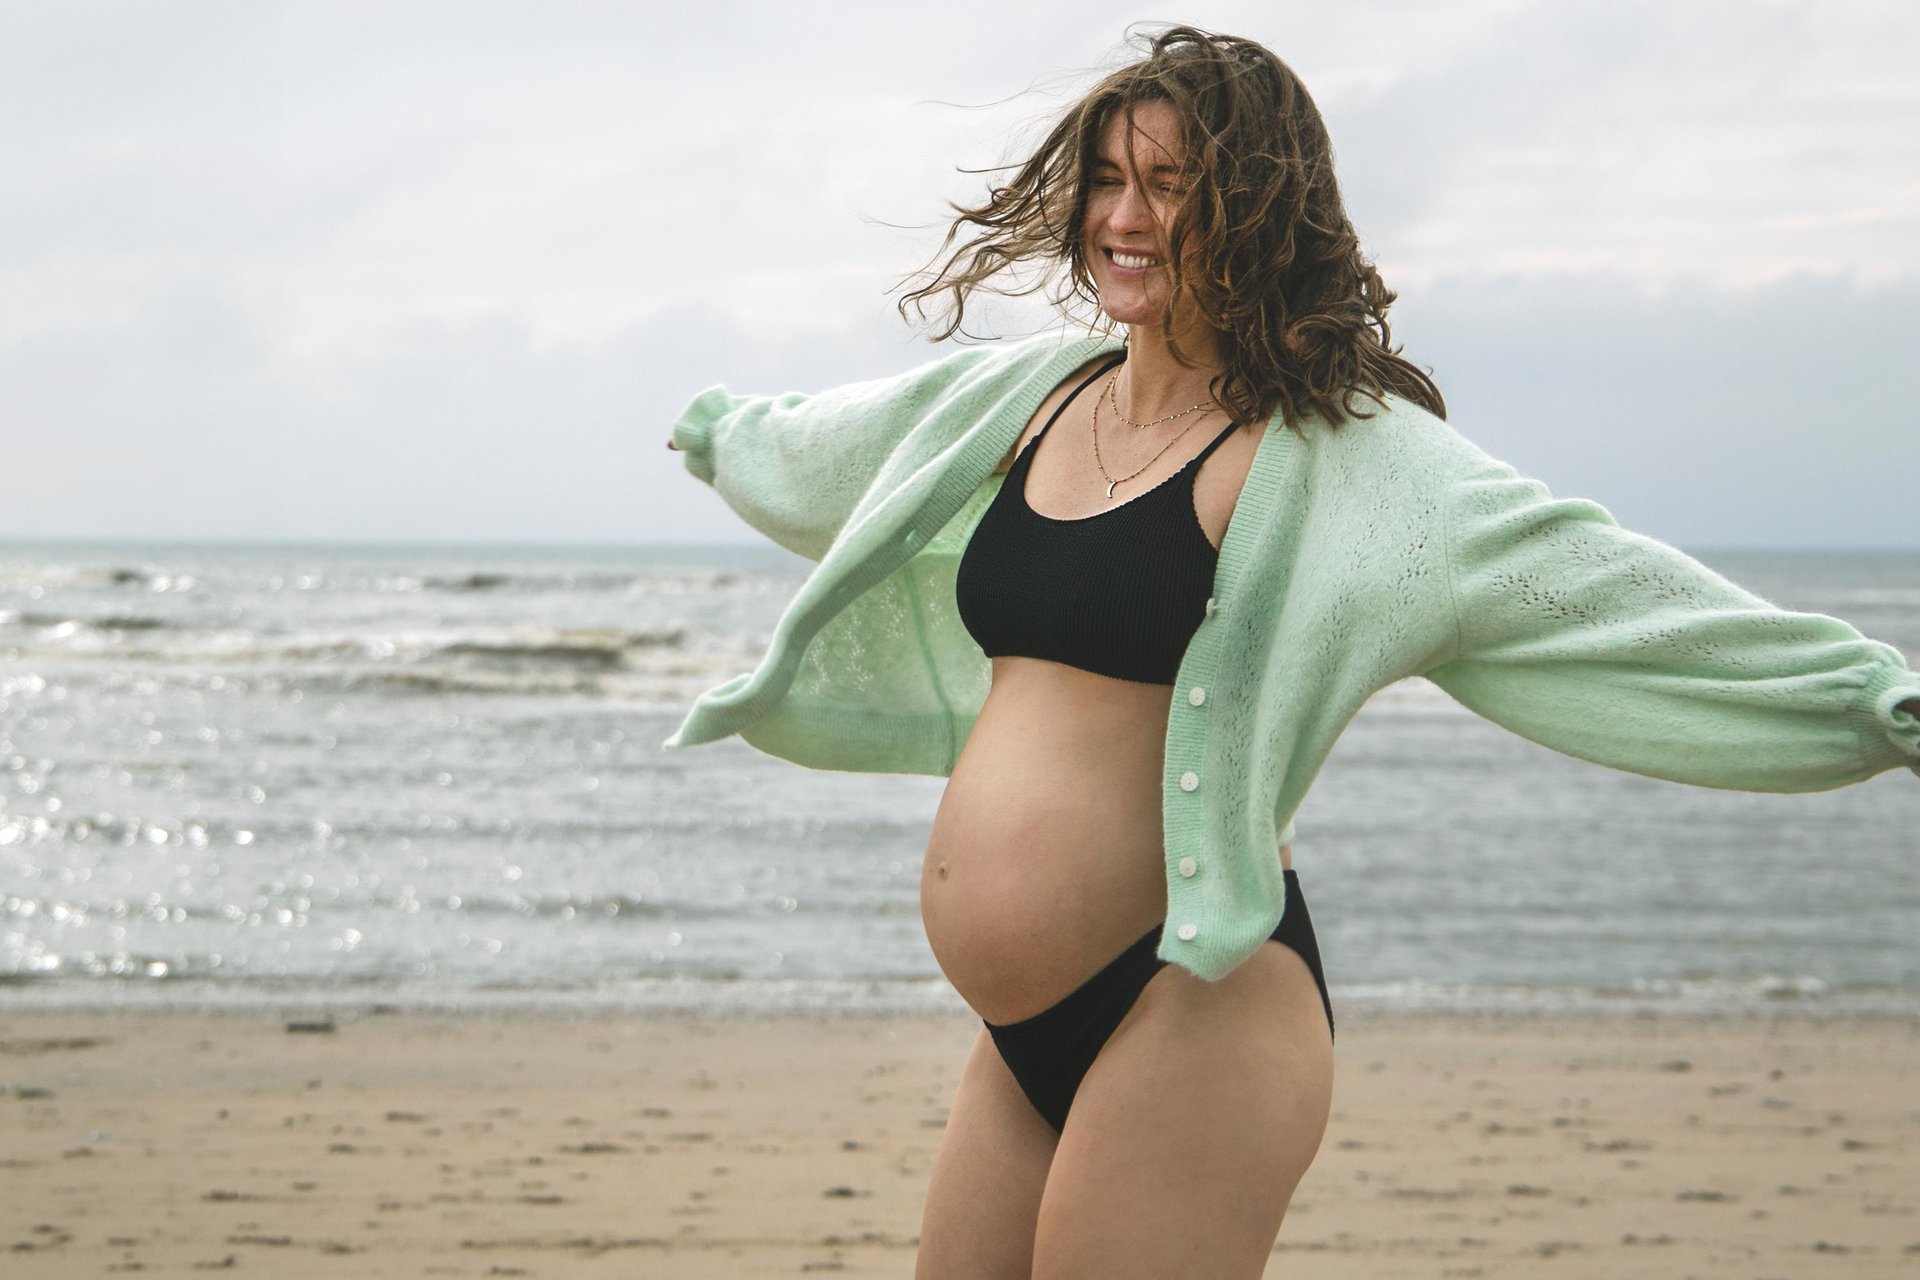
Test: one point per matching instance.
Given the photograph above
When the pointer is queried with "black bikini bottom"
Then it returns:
(1051, 1052)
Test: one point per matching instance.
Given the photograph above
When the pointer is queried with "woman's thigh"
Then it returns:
(1191, 1131)
(983, 1194)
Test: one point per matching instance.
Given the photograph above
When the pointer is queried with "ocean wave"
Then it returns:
(111, 623)
(450, 655)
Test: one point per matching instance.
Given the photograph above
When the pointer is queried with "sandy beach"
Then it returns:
(391, 1144)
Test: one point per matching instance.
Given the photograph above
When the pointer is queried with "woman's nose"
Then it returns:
(1131, 210)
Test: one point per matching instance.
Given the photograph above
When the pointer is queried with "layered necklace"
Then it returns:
(1113, 380)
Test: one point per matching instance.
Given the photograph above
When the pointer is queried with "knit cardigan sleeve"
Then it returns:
(796, 465)
(1612, 647)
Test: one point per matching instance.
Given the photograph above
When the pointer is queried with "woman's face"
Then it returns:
(1124, 250)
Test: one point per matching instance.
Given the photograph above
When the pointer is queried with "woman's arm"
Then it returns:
(794, 466)
(1610, 646)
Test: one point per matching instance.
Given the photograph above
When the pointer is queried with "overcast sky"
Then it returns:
(447, 271)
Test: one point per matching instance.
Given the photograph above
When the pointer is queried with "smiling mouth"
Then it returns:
(1129, 261)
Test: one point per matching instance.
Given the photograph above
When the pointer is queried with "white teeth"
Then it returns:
(1129, 260)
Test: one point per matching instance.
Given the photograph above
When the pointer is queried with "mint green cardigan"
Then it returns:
(1389, 547)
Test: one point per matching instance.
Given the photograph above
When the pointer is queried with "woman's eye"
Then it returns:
(1160, 187)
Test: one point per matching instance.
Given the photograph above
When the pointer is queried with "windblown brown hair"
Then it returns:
(1278, 267)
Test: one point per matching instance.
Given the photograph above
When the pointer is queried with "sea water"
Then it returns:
(432, 776)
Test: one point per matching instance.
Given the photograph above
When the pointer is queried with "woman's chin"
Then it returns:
(1130, 310)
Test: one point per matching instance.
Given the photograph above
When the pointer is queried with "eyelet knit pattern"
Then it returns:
(1356, 556)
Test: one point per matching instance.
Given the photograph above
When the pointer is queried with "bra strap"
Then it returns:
(1084, 384)
(1214, 444)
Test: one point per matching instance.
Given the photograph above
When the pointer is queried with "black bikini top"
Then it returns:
(1118, 593)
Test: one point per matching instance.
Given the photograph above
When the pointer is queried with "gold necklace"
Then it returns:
(1099, 462)
(1114, 381)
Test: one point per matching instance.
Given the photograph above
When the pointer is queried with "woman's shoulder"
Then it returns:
(973, 375)
(1394, 433)
(1402, 458)
(1019, 358)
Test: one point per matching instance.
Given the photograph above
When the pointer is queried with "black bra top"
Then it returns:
(1118, 593)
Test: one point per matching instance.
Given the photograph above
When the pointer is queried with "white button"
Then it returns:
(1196, 695)
(1188, 866)
(1211, 606)
(912, 540)
(1189, 780)
(1187, 931)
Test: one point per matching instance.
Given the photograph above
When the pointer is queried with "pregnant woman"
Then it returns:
(1125, 595)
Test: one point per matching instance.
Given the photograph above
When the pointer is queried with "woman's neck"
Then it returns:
(1152, 384)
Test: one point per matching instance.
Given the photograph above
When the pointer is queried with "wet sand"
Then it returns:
(416, 1145)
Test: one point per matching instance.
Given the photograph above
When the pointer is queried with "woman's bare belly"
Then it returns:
(1045, 859)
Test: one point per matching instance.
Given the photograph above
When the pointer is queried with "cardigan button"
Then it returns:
(1211, 606)
(1189, 780)
(1196, 695)
(912, 540)
(1187, 867)
(1187, 931)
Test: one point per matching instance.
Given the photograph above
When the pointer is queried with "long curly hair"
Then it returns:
(1275, 266)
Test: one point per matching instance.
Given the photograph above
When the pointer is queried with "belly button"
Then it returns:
(943, 871)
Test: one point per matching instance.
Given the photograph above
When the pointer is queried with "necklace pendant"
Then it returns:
(1110, 485)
